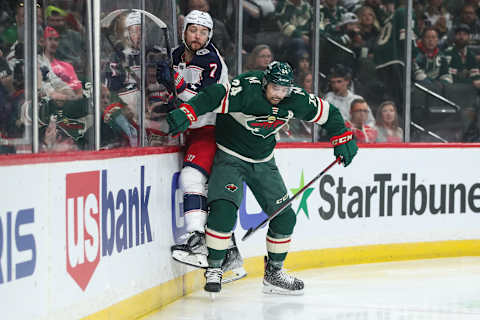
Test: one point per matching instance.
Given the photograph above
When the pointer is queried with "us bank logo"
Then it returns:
(248, 219)
(102, 220)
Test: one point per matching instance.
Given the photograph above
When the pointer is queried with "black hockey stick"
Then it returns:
(250, 231)
(106, 23)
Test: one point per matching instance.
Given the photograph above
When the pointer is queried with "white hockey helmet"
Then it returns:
(133, 18)
(201, 18)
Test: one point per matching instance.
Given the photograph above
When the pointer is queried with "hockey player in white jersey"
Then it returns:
(124, 68)
(200, 64)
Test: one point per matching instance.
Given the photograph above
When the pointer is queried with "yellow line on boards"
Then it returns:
(154, 299)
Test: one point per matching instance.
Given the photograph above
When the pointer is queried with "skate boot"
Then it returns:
(194, 252)
(277, 281)
(213, 277)
(232, 266)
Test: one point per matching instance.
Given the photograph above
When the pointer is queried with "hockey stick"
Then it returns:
(250, 231)
(106, 23)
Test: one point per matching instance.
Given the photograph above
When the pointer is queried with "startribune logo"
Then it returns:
(303, 201)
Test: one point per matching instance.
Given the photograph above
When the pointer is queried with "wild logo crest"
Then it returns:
(265, 126)
(231, 187)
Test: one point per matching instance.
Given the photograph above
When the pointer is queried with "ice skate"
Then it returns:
(232, 266)
(213, 285)
(194, 252)
(277, 281)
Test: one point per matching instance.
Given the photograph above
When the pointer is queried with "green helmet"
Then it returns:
(279, 73)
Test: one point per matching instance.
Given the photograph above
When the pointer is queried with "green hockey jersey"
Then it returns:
(391, 42)
(247, 122)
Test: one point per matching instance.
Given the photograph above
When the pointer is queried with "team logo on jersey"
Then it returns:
(191, 74)
(202, 52)
(231, 187)
(265, 126)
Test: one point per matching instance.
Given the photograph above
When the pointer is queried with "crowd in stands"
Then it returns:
(361, 70)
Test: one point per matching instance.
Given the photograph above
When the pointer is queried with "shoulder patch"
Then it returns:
(202, 52)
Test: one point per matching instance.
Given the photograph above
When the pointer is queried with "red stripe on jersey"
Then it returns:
(224, 104)
(215, 236)
(278, 242)
(321, 111)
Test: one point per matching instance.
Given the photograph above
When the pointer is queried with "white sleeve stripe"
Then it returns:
(320, 110)
(322, 114)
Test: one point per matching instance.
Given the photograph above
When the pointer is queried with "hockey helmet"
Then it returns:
(279, 73)
(201, 18)
(133, 18)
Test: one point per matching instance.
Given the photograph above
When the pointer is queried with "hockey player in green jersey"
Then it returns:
(250, 112)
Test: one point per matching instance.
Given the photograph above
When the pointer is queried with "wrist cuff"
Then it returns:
(341, 139)
(189, 112)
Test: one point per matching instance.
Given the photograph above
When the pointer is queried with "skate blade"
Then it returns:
(192, 259)
(234, 275)
(212, 295)
(269, 289)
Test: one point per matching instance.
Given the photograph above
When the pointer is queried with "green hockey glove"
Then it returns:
(344, 146)
(180, 119)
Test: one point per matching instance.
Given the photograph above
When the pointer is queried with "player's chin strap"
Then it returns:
(250, 231)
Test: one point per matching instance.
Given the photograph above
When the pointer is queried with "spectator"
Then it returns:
(14, 33)
(469, 17)
(387, 123)
(331, 15)
(343, 43)
(431, 64)
(55, 140)
(381, 12)
(62, 69)
(71, 44)
(60, 81)
(259, 58)
(421, 20)
(369, 30)
(294, 19)
(389, 55)
(305, 80)
(303, 65)
(438, 16)
(362, 132)
(463, 66)
(340, 96)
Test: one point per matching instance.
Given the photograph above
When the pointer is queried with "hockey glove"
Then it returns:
(344, 146)
(164, 75)
(180, 119)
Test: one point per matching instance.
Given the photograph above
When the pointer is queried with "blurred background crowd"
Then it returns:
(360, 46)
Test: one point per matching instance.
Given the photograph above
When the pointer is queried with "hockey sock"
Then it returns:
(277, 247)
(195, 211)
(279, 234)
(220, 222)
